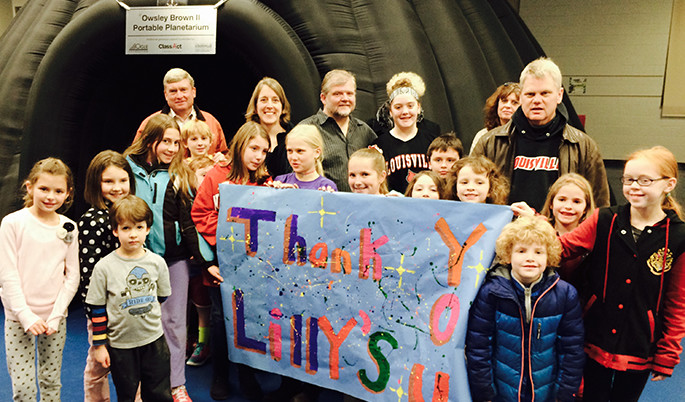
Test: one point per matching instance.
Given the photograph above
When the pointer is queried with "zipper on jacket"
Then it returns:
(527, 291)
(154, 194)
(539, 329)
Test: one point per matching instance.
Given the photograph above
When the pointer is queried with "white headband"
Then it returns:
(404, 90)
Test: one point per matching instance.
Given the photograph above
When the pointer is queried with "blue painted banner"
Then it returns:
(368, 295)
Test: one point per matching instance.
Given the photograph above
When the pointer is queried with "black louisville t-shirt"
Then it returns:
(404, 159)
(536, 159)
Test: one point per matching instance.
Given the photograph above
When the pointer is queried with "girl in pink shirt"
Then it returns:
(40, 274)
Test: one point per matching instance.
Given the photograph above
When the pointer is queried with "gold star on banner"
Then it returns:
(479, 268)
(399, 391)
(400, 270)
(232, 238)
(322, 212)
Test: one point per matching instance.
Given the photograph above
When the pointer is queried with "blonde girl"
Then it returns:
(427, 184)
(197, 291)
(477, 179)
(405, 142)
(39, 277)
(635, 303)
(164, 182)
(108, 178)
(568, 203)
(366, 172)
(304, 147)
(246, 165)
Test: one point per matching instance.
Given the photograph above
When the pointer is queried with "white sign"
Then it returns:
(171, 30)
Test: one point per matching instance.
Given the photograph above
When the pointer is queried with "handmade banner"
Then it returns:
(368, 295)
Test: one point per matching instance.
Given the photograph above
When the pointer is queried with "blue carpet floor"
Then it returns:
(198, 379)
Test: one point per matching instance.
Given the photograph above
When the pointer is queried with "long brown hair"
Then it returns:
(239, 172)
(501, 93)
(93, 190)
(145, 145)
(153, 132)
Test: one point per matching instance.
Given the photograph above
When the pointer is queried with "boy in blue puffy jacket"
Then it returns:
(525, 333)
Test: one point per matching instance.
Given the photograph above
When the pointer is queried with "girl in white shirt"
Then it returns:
(40, 274)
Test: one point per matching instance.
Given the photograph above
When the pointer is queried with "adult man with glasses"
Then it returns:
(538, 145)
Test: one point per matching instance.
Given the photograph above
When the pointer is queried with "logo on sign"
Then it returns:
(176, 46)
(137, 47)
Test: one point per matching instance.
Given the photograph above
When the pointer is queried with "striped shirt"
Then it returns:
(338, 147)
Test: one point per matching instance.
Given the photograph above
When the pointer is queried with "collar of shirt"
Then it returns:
(180, 122)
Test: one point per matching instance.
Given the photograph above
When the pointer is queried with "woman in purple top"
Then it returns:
(304, 148)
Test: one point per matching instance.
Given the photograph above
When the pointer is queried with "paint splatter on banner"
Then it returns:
(368, 295)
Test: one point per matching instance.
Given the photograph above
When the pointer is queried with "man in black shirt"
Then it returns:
(342, 134)
(538, 145)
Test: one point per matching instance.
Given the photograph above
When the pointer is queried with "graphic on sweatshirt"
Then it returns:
(140, 292)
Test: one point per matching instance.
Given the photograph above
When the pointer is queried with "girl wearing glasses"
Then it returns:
(634, 287)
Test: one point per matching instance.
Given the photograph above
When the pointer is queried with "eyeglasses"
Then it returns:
(642, 181)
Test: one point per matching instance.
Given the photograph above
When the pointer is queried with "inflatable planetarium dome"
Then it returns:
(69, 91)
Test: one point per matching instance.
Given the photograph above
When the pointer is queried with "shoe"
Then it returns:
(220, 389)
(200, 355)
(180, 394)
(190, 348)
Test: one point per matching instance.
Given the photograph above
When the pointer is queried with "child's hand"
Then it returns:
(522, 209)
(278, 184)
(38, 327)
(658, 377)
(326, 188)
(214, 271)
(101, 355)
(49, 331)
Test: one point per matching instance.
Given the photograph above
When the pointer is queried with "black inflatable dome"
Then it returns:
(70, 91)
